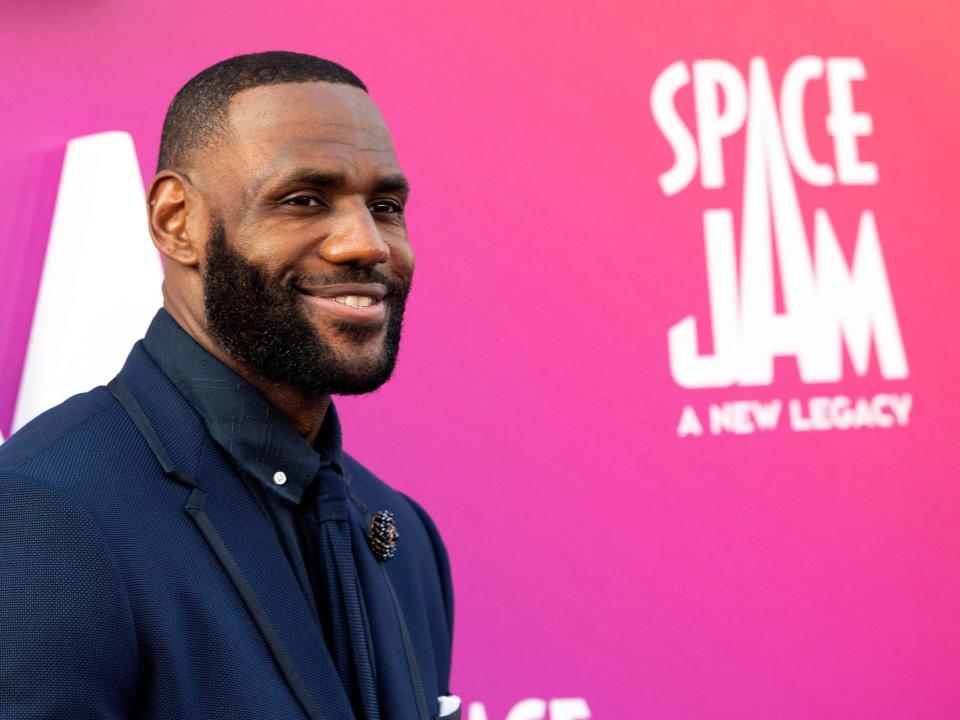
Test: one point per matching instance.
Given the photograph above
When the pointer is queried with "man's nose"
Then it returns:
(356, 240)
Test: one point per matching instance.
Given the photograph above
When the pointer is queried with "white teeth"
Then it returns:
(357, 301)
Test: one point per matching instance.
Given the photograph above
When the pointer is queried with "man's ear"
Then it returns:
(168, 209)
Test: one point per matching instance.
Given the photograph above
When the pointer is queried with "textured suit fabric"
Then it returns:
(125, 593)
(262, 444)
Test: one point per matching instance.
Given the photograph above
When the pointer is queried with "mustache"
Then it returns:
(344, 276)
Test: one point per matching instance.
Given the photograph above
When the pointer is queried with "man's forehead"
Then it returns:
(333, 104)
(338, 127)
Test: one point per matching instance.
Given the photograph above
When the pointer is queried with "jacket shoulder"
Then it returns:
(88, 450)
(377, 494)
(73, 421)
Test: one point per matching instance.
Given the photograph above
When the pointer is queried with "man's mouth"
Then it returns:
(360, 303)
(357, 301)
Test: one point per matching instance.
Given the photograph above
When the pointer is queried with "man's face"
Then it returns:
(307, 265)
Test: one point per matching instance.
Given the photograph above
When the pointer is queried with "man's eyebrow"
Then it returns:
(314, 177)
(393, 183)
(320, 179)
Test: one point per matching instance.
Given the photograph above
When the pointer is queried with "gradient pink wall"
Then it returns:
(596, 553)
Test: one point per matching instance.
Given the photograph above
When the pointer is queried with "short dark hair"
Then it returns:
(199, 109)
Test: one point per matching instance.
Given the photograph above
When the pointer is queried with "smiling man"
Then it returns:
(191, 541)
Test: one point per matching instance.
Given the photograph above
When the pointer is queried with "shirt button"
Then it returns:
(280, 477)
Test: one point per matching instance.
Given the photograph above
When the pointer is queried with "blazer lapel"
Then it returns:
(241, 537)
(246, 544)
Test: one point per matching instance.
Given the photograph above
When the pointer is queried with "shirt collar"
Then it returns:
(251, 430)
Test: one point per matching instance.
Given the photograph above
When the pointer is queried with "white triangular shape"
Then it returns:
(101, 276)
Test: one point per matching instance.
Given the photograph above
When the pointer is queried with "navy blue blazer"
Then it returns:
(130, 590)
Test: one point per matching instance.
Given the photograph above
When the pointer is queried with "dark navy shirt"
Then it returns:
(276, 463)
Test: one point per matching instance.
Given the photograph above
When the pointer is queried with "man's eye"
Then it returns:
(387, 206)
(303, 201)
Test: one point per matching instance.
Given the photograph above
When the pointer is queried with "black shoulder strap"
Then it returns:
(139, 417)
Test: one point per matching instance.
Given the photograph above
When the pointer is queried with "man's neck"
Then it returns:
(305, 412)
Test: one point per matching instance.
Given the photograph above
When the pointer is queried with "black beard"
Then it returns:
(261, 322)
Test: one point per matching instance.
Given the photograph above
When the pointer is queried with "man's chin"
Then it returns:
(353, 343)
(355, 380)
(354, 367)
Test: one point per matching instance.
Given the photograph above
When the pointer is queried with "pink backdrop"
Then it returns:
(598, 552)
